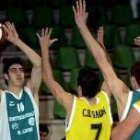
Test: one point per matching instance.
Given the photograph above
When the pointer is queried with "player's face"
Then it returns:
(15, 75)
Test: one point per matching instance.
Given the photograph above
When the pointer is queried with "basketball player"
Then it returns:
(131, 125)
(128, 126)
(88, 114)
(19, 115)
(124, 97)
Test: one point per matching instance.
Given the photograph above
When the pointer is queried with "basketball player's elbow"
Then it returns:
(115, 135)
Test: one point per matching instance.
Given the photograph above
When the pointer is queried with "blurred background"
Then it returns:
(121, 21)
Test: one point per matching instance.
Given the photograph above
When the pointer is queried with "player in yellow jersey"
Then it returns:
(124, 97)
(88, 114)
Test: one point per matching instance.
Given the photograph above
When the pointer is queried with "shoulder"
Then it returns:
(31, 95)
(103, 96)
(29, 92)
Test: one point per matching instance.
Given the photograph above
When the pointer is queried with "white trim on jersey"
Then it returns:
(4, 130)
(69, 122)
(107, 98)
(17, 97)
(127, 106)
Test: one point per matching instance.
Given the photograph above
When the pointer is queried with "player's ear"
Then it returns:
(6, 76)
(79, 91)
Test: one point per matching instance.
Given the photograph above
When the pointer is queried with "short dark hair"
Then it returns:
(43, 128)
(135, 71)
(7, 62)
(89, 82)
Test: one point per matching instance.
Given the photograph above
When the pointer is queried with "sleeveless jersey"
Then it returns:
(132, 99)
(90, 122)
(19, 116)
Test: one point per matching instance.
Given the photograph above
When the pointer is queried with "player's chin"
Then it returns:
(19, 83)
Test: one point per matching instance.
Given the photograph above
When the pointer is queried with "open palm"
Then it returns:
(44, 38)
(80, 13)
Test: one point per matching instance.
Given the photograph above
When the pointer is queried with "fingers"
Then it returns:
(49, 32)
(9, 25)
(80, 9)
(9, 28)
(77, 7)
(44, 37)
(43, 32)
(46, 32)
(54, 40)
(37, 34)
(84, 6)
(74, 10)
(80, 6)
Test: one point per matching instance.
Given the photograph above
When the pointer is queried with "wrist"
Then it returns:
(82, 26)
(17, 42)
(44, 49)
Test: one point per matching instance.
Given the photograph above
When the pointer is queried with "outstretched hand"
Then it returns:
(80, 13)
(137, 41)
(12, 34)
(44, 38)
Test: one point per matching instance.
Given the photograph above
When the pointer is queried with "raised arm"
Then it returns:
(61, 96)
(100, 39)
(116, 86)
(126, 128)
(36, 75)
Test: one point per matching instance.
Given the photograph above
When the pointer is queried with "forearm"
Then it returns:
(48, 78)
(46, 66)
(32, 55)
(93, 45)
(120, 134)
(107, 55)
(101, 59)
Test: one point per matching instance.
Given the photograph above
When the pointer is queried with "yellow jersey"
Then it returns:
(90, 122)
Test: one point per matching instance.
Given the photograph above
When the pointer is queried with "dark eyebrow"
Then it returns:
(13, 68)
(16, 68)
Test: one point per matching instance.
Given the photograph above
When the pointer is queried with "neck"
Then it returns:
(93, 100)
(15, 90)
